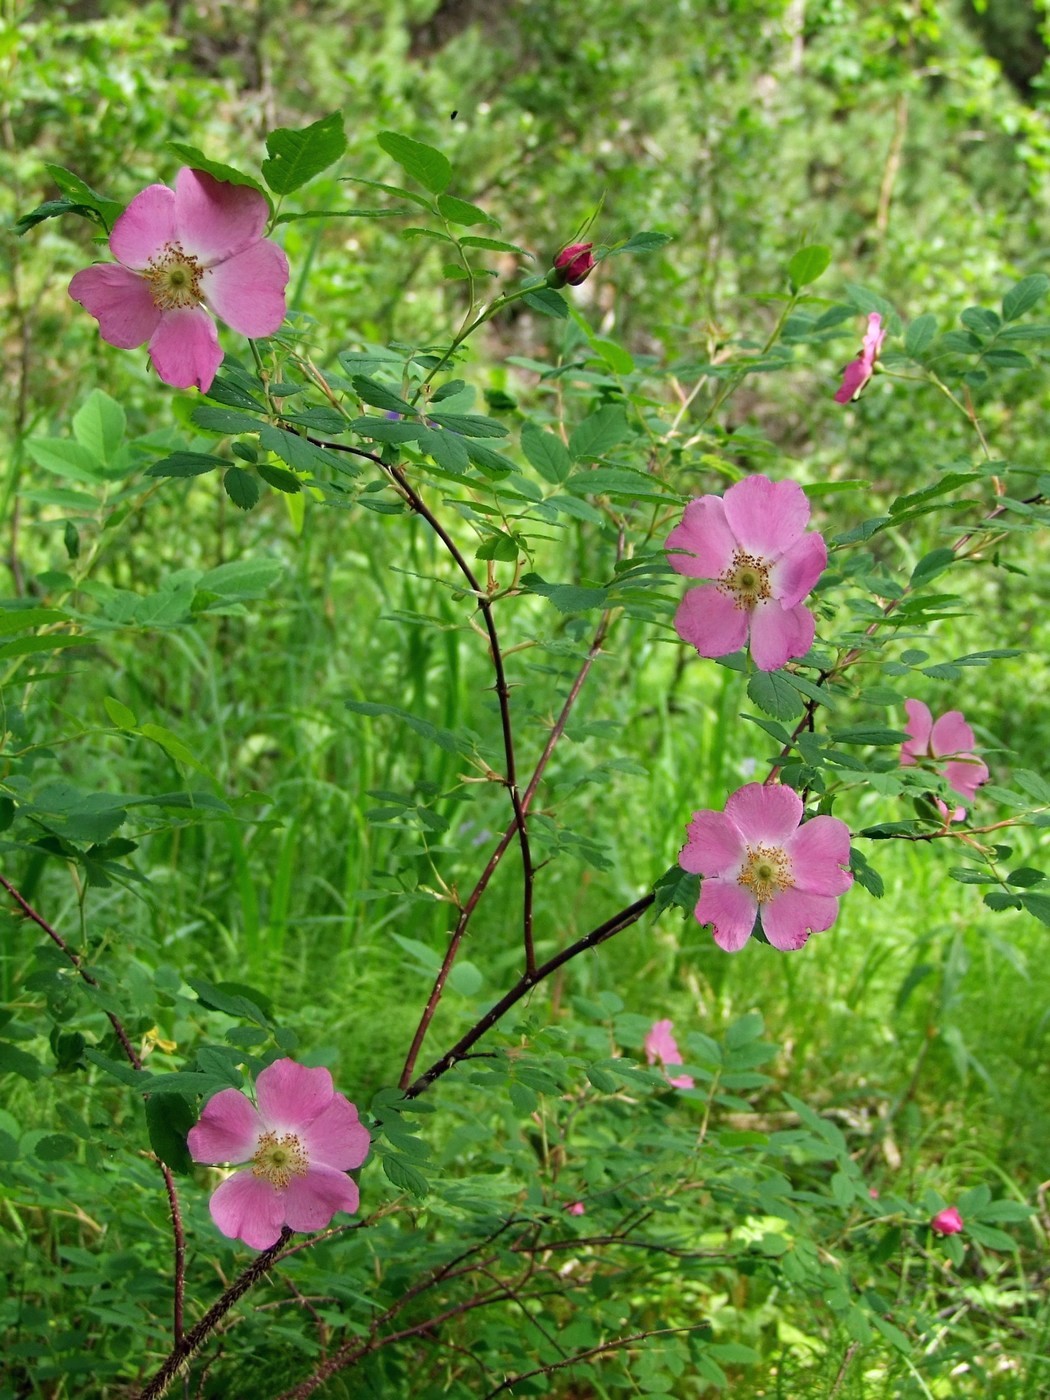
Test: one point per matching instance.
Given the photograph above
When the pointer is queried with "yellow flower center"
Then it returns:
(174, 278)
(766, 872)
(278, 1159)
(746, 580)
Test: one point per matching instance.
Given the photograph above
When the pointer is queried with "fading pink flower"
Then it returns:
(756, 859)
(857, 373)
(662, 1048)
(950, 738)
(576, 1208)
(754, 544)
(179, 251)
(947, 1222)
(573, 264)
(295, 1149)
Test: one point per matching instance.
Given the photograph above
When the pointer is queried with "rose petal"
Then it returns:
(247, 290)
(714, 846)
(731, 909)
(335, 1137)
(790, 917)
(120, 302)
(794, 575)
(249, 1208)
(919, 726)
(767, 517)
(711, 621)
(291, 1096)
(681, 1081)
(145, 226)
(854, 377)
(708, 538)
(661, 1045)
(818, 851)
(185, 348)
(873, 339)
(778, 634)
(228, 1129)
(765, 814)
(310, 1201)
(951, 735)
(215, 219)
(965, 776)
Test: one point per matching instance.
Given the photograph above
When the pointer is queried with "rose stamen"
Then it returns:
(746, 580)
(174, 279)
(278, 1159)
(766, 872)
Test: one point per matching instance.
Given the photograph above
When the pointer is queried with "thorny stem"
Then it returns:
(604, 1348)
(135, 1060)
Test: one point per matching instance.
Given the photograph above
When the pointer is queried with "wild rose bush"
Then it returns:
(802, 613)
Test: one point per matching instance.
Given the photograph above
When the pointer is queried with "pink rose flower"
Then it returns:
(948, 737)
(574, 264)
(859, 371)
(756, 859)
(296, 1148)
(576, 1208)
(662, 1048)
(753, 543)
(947, 1222)
(177, 252)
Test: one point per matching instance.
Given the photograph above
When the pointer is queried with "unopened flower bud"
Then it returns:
(572, 265)
(947, 1222)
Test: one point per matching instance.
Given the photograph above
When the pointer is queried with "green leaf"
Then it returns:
(242, 488)
(377, 395)
(547, 302)
(54, 1147)
(65, 458)
(598, 433)
(775, 695)
(546, 452)
(566, 597)
(445, 739)
(169, 1117)
(458, 211)
(645, 242)
(1024, 295)
(99, 426)
(421, 163)
(280, 478)
(298, 155)
(74, 188)
(172, 746)
(404, 1175)
(242, 578)
(930, 565)
(868, 735)
(920, 335)
(493, 245)
(197, 160)
(469, 425)
(121, 716)
(807, 265)
(498, 546)
(186, 464)
(15, 1061)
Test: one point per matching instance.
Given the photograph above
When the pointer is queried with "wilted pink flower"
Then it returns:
(574, 264)
(753, 542)
(859, 371)
(947, 1222)
(296, 1148)
(951, 738)
(756, 859)
(661, 1047)
(177, 252)
(576, 1208)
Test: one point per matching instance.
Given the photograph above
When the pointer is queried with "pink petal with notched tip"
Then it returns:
(714, 846)
(335, 1137)
(185, 348)
(951, 735)
(731, 909)
(965, 776)
(779, 633)
(767, 517)
(215, 219)
(228, 1129)
(310, 1201)
(818, 850)
(120, 302)
(854, 377)
(710, 620)
(791, 916)
(247, 290)
(795, 574)
(765, 814)
(146, 225)
(248, 1208)
(705, 533)
(290, 1096)
(919, 727)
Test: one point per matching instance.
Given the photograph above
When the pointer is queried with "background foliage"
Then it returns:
(198, 797)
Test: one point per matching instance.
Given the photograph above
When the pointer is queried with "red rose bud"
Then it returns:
(573, 265)
(947, 1222)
